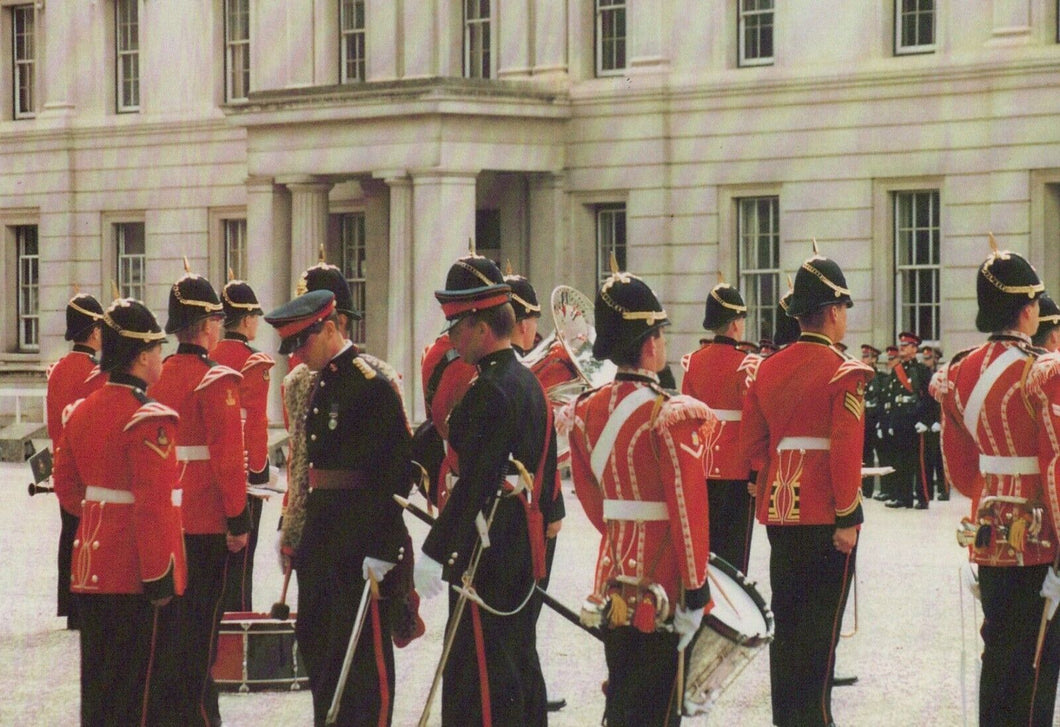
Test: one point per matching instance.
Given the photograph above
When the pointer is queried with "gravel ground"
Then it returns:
(907, 652)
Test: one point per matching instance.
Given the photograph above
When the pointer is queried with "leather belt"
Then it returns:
(635, 510)
(337, 479)
(728, 415)
(804, 443)
(193, 453)
(990, 464)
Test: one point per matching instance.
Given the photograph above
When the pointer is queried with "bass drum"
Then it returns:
(735, 630)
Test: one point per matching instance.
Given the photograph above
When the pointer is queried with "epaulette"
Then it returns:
(96, 371)
(749, 366)
(215, 373)
(685, 361)
(849, 365)
(389, 372)
(258, 359)
(150, 410)
(680, 407)
(364, 367)
(68, 410)
(1045, 368)
(939, 385)
(51, 367)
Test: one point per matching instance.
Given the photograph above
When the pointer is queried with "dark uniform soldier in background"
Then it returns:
(637, 466)
(357, 445)
(869, 356)
(116, 468)
(908, 389)
(503, 434)
(928, 427)
(884, 431)
(1047, 336)
(213, 476)
(242, 315)
(717, 375)
(999, 433)
(803, 424)
(73, 377)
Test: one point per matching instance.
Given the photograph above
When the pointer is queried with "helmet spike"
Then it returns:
(791, 283)
(614, 263)
(114, 289)
(231, 275)
(815, 250)
(508, 268)
(77, 290)
(470, 245)
(320, 254)
(187, 267)
(993, 244)
(721, 278)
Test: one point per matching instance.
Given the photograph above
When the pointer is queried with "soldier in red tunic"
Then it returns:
(213, 476)
(73, 377)
(718, 374)
(999, 446)
(803, 426)
(637, 466)
(242, 315)
(116, 468)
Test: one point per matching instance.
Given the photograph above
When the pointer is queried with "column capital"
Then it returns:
(305, 182)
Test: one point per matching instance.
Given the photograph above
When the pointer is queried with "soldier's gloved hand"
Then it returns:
(427, 575)
(890, 432)
(936, 427)
(1051, 591)
(879, 434)
(920, 427)
(378, 568)
(686, 624)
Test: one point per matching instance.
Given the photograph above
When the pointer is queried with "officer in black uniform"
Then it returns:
(884, 433)
(929, 427)
(357, 443)
(869, 356)
(503, 418)
(909, 384)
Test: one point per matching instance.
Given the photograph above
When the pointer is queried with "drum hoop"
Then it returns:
(724, 629)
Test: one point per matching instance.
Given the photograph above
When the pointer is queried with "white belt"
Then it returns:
(635, 510)
(804, 443)
(106, 494)
(990, 464)
(191, 454)
(178, 497)
(728, 415)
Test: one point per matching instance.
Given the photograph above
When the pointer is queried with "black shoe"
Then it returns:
(845, 680)
(897, 504)
(920, 505)
(555, 705)
(880, 496)
(943, 496)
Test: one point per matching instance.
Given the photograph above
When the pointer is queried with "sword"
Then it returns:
(548, 600)
(370, 588)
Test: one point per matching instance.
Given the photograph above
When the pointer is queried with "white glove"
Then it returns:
(879, 434)
(686, 624)
(890, 431)
(936, 427)
(1051, 592)
(920, 428)
(378, 568)
(427, 574)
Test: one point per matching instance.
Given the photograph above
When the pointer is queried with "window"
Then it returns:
(610, 237)
(236, 247)
(916, 262)
(477, 56)
(610, 37)
(127, 33)
(756, 32)
(237, 49)
(351, 26)
(914, 26)
(131, 257)
(24, 48)
(353, 268)
(28, 288)
(758, 262)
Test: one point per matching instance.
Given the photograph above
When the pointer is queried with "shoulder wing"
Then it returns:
(216, 373)
(151, 410)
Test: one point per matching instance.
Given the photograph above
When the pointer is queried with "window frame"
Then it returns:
(237, 51)
(606, 238)
(902, 307)
(899, 16)
(617, 9)
(353, 240)
(21, 67)
(138, 261)
(757, 309)
(742, 14)
(234, 228)
(359, 37)
(121, 54)
(482, 61)
(27, 294)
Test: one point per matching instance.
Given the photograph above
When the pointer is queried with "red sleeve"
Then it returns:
(960, 454)
(66, 480)
(585, 485)
(254, 395)
(754, 433)
(1048, 442)
(154, 464)
(847, 437)
(224, 436)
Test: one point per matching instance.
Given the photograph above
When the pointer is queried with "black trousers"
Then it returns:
(66, 601)
(731, 514)
(641, 679)
(1010, 692)
(129, 665)
(201, 617)
(906, 463)
(810, 580)
(933, 471)
(509, 654)
(239, 579)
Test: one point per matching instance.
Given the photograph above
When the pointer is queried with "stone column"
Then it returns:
(511, 34)
(645, 20)
(550, 258)
(420, 38)
(1012, 21)
(309, 220)
(550, 37)
(402, 351)
(384, 38)
(60, 48)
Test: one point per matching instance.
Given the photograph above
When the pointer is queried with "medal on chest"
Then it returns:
(333, 417)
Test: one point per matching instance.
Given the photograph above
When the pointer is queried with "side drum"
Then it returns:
(732, 634)
(256, 653)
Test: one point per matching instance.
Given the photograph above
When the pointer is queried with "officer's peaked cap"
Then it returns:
(626, 310)
(474, 283)
(1005, 283)
(191, 299)
(298, 319)
(129, 327)
(323, 276)
(910, 337)
(724, 304)
(82, 312)
(818, 282)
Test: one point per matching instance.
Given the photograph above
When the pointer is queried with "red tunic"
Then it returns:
(985, 430)
(73, 377)
(209, 441)
(803, 423)
(442, 396)
(636, 462)
(116, 468)
(237, 355)
(718, 375)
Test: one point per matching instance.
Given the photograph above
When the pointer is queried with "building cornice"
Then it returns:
(106, 127)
